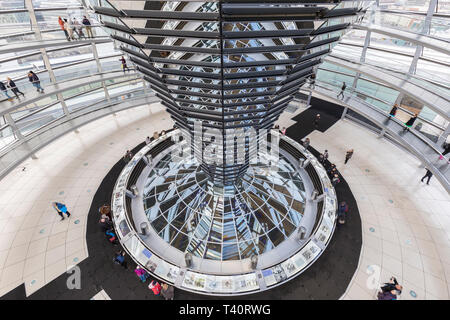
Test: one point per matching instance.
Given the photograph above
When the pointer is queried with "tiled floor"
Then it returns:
(35, 246)
(406, 223)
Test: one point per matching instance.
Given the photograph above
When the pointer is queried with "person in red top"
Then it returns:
(155, 287)
(61, 23)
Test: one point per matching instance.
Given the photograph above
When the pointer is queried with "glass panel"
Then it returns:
(40, 119)
(6, 137)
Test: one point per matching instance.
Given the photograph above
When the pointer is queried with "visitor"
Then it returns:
(393, 111)
(155, 287)
(342, 212)
(105, 211)
(124, 64)
(34, 79)
(155, 135)
(111, 236)
(147, 140)
(119, 258)
(69, 29)
(10, 83)
(306, 143)
(141, 273)
(348, 155)
(312, 81)
(410, 122)
(167, 291)
(428, 175)
(330, 170)
(388, 295)
(5, 91)
(325, 156)
(283, 131)
(104, 224)
(392, 285)
(87, 25)
(63, 27)
(316, 120)
(78, 28)
(128, 156)
(335, 180)
(321, 158)
(61, 208)
(342, 91)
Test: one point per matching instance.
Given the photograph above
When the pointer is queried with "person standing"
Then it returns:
(128, 156)
(283, 131)
(77, 27)
(119, 258)
(410, 122)
(124, 64)
(325, 156)
(61, 23)
(11, 84)
(147, 140)
(5, 91)
(306, 143)
(87, 25)
(342, 212)
(141, 273)
(321, 158)
(69, 30)
(312, 81)
(335, 180)
(155, 287)
(34, 79)
(61, 208)
(348, 155)
(316, 120)
(428, 175)
(167, 291)
(393, 111)
(342, 91)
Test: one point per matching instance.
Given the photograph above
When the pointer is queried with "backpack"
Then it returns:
(155, 287)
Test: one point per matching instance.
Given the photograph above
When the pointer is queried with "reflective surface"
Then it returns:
(212, 223)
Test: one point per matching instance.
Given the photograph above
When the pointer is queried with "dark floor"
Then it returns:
(327, 278)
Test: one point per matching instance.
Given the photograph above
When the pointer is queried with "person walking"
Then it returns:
(87, 25)
(34, 79)
(428, 175)
(5, 91)
(61, 23)
(410, 122)
(124, 64)
(69, 30)
(147, 140)
(348, 155)
(342, 91)
(61, 208)
(316, 120)
(393, 111)
(321, 158)
(12, 85)
(167, 291)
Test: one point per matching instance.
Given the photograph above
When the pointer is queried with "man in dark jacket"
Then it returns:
(428, 175)
(12, 85)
